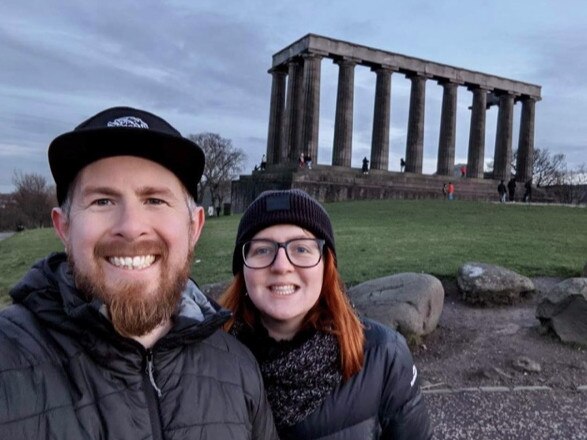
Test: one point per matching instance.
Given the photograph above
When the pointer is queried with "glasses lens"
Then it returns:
(304, 252)
(258, 254)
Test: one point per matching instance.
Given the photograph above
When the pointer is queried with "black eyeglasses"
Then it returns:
(301, 252)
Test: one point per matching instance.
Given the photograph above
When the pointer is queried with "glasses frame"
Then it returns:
(283, 245)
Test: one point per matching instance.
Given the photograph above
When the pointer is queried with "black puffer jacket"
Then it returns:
(382, 401)
(65, 373)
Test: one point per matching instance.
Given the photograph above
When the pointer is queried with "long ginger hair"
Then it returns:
(332, 313)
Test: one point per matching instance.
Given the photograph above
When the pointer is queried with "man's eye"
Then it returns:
(154, 201)
(102, 202)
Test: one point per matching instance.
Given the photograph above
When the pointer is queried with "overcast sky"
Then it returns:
(202, 65)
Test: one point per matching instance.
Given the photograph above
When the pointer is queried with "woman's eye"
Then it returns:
(260, 251)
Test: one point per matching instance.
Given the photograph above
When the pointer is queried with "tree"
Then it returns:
(223, 164)
(548, 169)
(33, 200)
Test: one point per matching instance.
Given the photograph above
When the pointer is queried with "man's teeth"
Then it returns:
(138, 262)
(283, 290)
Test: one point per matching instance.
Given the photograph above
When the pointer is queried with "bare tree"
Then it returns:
(223, 163)
(33, 200)
(548, 169)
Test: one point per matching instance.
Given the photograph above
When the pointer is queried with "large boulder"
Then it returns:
(487, 284)
(409, 302)
(564, 310)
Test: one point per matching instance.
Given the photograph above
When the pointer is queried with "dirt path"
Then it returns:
(479, 346)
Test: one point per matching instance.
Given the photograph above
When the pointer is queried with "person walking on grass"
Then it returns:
(451, 191)
(501, 190)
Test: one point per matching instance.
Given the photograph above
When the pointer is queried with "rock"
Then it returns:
(485, 284)
(526, 364)
(564, 310)
(409, 302)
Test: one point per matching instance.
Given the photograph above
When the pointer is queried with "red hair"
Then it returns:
(332, 313)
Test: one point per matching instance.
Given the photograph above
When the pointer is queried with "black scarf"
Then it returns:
(298, 374)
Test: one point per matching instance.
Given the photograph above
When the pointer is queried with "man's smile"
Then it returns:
(134, 263)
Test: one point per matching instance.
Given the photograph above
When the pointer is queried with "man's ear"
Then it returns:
(197, 223)
(61, 224)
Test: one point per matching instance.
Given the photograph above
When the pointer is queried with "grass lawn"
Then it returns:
(378, 238)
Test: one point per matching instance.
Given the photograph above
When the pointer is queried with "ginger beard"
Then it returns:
(135, 307)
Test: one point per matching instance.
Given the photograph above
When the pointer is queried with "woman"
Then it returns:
(327, 373)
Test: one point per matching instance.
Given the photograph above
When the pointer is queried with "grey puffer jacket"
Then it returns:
(66, 374)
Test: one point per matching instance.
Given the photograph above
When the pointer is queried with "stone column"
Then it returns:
(448, 124)
(289, 151)
(503, 139)
(476, 156)
(381, 117)
(276, 109)
(311, 105)
(343, 124)
(525, 160)
(415, 141)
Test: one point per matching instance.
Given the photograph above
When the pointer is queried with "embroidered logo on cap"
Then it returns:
(128, 121)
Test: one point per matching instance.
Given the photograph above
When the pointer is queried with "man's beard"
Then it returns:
(135, 308)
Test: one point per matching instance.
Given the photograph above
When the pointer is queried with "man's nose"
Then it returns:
(131, 222)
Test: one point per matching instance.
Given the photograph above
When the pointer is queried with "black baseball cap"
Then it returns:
(124, 131)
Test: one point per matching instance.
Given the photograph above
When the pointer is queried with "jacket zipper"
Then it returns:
(152, 395)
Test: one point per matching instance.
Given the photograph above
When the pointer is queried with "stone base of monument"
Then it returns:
(335, 184)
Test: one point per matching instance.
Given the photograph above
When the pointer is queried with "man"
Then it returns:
(112, 339)
(501, 191)
(451, 191)
(512, 189)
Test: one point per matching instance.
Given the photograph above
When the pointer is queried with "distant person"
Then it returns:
(308, 160)
(365, 167)
(463, 171)
(210, 211)
(301, 160)
(528, 192)
(402, 165)
(111, 339)
(329, 373)
(444, 190)
(451, 191)
(263, 163)
(512, 189)
(501, 189)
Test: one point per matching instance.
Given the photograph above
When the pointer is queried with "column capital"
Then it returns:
(346, 61)
(524, 98)
(314, 53)
(384, 68)
(449, 81)
(473, 87)
(278, 70)
(424, 75)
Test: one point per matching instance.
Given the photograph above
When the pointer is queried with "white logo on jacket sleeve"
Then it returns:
(414, 376)
(128, 121)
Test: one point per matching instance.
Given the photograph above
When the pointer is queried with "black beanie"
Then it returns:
(292, 206)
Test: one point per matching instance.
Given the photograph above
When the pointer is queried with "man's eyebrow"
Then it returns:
(155, 191)
(102, 190)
